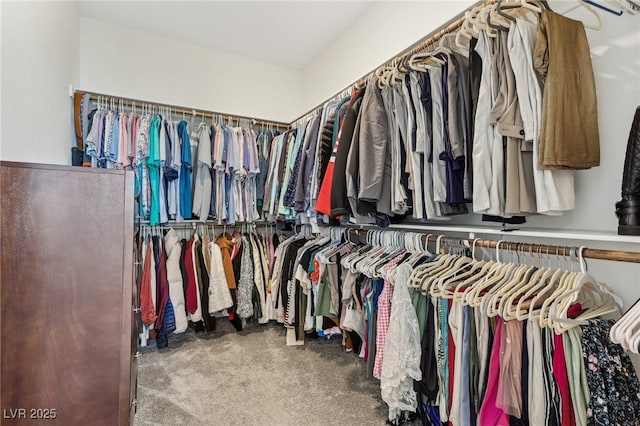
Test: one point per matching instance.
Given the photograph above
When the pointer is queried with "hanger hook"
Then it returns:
(498, 250)
(473, 248)
(438, 240)
(583, 263)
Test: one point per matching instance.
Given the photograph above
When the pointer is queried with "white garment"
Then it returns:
(219, 294)
(438, 166)
(572, 341)
(417, 154)
(554, 188)
(402, 352)
(239, 173)
(174, 276)
(488, 150)
(536, 391)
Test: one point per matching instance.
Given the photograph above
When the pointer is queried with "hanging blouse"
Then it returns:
(401, 363)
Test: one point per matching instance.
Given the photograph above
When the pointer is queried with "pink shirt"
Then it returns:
(490, 414)
(567, 416)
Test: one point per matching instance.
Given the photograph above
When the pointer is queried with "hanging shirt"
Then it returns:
(162, 148)
(153, 163)
(142, 146)
(202, 191)
(123, 145)
(172, 172)
(185, 171)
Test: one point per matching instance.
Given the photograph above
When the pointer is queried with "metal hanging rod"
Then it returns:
(194, 224)
(129, 102)
(587, 253)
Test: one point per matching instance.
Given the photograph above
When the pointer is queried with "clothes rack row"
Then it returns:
(545, 249)
(192, 278)
(185, 168)
(176, 109)
(459, 339)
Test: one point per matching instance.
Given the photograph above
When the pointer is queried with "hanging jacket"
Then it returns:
(225, 243)
(192, 294)
(374, 171)
(219, 294)
(339, 202)
(174, 277)
(185, 171)
(323, 204)
(203, 284)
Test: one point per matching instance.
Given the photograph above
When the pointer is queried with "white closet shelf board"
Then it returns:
(563, 234)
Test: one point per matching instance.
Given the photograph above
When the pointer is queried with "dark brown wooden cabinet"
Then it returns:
(68, 312)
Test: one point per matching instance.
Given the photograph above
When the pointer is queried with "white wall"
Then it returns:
(382, 32)
(123, 62)
(39, 61)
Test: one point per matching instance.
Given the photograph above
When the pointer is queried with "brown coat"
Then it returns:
(226, 245)
(569, 135)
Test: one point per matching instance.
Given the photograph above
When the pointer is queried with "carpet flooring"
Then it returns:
(253, 378)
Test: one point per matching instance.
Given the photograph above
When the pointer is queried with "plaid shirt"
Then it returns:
(384, 314)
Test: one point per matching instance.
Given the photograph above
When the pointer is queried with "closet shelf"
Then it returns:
(562, 234)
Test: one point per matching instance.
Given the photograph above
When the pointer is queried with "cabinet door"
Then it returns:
(62, 290)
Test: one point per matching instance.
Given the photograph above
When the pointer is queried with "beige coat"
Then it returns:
(569, 136)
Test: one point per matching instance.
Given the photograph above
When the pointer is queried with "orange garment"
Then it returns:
(225, 243)
(148, 312)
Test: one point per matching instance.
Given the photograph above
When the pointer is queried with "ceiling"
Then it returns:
(285, 33)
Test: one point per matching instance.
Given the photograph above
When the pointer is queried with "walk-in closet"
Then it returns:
(320, 213)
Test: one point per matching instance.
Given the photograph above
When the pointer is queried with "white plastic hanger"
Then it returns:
(595, 297)
(630, 319)
(598, 24)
